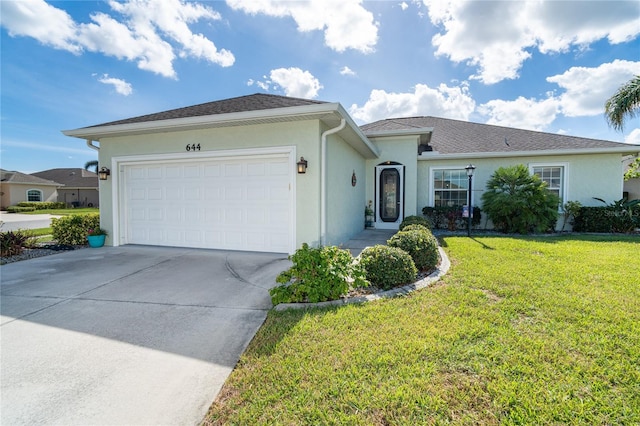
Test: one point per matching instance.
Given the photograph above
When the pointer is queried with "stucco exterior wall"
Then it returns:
(304, 136)
(403, 150)
(14, 193)
(632, 187)
(587, 176)
(345, 203)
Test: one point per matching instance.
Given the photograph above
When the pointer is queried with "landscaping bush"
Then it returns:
(421, 245)
(620, 216)
(13, 242)
(43, 205)
(518, 202)
(73, 229)
(415, 220)
(317, 275)
(451, 217)
(388, 267)
(19, 209)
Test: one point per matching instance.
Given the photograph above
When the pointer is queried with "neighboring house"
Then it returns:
(80, 186)
(631, 188)
(16, 187)
(225, 175)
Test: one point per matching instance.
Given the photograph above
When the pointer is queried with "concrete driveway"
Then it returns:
(126, 335)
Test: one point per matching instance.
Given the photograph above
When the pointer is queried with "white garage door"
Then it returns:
(235, 204)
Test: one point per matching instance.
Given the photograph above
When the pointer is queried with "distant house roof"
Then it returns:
(7, 176)
(255, 102)
(70, 177)
(447, 136)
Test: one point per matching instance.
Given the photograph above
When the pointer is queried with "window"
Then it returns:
(554, 176)
(450, 188)
(34, 195)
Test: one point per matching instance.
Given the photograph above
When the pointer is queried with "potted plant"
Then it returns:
(368, 216)
(96, 237)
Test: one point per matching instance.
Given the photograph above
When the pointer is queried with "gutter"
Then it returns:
(91, 145)
(323, 181)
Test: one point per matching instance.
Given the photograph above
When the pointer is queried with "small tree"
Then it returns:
(518, 202)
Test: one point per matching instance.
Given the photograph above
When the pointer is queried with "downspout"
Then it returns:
(323, 181)
(91, 145)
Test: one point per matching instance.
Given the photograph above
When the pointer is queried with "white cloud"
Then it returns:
(148, 31)
(587, 89)
(450, 102)
(347, 71)
(346, 24)
(522, 113)
(296, 82)
(404, 5)
(498, 36)
(633, 137)
(121, 86)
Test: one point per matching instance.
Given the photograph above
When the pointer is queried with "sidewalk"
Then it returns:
(15, 221)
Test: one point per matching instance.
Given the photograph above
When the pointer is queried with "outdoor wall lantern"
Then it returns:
(103, 173)
(470, 168)
(302, 165)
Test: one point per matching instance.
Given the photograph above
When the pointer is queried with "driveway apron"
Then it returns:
(126, 335)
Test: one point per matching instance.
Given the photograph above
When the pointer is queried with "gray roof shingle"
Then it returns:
(459, 137)
(8, 176)
(70, 177)
(255, 102)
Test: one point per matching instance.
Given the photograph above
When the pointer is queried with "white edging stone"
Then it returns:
(442, 269)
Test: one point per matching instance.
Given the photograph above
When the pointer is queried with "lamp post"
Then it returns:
(470, 168)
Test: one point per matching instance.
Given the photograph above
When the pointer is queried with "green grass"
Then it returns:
(520, 331)
(66, 212)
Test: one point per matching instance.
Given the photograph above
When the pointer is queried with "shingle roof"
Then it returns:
(8, 176)
(458, 137)
(70, 177)
(255, 102)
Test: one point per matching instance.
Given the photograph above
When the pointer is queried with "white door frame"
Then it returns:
(399, 197)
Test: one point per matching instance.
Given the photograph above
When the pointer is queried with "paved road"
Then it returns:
(14, 221)
(126, 335)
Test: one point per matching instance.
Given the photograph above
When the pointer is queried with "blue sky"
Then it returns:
(540, 65)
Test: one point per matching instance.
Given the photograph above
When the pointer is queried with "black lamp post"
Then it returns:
(470, 168)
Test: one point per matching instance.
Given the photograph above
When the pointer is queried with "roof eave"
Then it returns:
(632, 149)
(400, 132)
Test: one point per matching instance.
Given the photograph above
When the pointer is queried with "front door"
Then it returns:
(389, 196)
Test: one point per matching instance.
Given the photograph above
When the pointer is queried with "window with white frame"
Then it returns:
(34, 195)
(554, 176)
(450, 187)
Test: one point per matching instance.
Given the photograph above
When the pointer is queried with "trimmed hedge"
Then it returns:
(606, 219)
(43, 205)
(421, 245)
(73, 229)
(388, 267)
(451, 217)
(317, 275)
(415, 220)
(18, 209)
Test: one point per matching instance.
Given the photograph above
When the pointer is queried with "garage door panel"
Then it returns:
(216, 203)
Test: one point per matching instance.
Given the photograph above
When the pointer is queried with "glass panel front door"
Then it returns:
(389, 195)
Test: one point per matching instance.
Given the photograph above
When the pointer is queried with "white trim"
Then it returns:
(565, 178)
(431, 199)
(35, 189)
(379, 223)
(430, 156)
(118, 191)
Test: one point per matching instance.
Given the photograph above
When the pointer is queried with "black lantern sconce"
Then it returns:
(302, 166)
(103, 173)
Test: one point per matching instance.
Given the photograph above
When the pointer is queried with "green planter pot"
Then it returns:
(96, 240)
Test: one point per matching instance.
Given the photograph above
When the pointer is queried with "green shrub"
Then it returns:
(421, 245)
(19, 209)
(73, 229)
(13, 242)
(388, 267)
(619, 216)
(518, 202)
(415, 220)
(317, 275)
(43, 205)
(450, 217)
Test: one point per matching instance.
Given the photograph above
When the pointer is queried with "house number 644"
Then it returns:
(193, 147)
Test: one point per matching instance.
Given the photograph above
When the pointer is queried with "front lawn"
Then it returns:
(66, 212)
(521, 331)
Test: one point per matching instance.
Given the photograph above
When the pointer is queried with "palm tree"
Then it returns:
(624, 104)
(91, 164)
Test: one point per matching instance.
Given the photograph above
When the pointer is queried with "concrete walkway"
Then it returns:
(368, 238)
